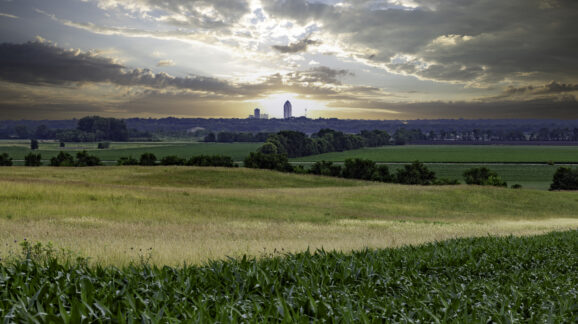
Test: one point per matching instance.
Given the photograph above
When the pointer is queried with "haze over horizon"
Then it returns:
(365, 59)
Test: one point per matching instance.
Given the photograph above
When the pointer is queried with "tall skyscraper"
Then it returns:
(287, 110)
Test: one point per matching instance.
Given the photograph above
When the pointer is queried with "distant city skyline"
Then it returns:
(370, 59)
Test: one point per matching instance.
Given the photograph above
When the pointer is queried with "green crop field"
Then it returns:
(456, 153)
(483, 280)
(238, 151)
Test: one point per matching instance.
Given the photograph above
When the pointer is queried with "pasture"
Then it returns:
(188, 214)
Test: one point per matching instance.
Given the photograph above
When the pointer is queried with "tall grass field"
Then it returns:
(192, 214)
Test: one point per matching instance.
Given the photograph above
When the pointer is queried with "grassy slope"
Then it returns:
(238, 151)
(192, 214)
(455, 153)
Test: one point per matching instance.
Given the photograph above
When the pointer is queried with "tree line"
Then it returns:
(416, 173)
(298, 144)
(88, 129)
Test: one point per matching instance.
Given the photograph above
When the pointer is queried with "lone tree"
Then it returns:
(33, 144)
(565, 178)
(32, 159)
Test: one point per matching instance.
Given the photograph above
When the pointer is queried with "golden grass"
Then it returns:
(97, 213)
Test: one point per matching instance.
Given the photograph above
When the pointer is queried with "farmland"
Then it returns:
(457, 153)
(238, 151)
(283, 247)
(467, 280)
(191, 214)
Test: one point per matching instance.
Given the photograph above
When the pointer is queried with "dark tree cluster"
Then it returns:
(484, 177)
(415, 173)
(565, 178)
(230, 137)
(111, 129)
(83, 159)
(273, 161)
(298, 144)
(5, 160)
(149, 159)
(32, 159)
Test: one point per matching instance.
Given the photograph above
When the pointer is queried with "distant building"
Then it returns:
(287, 110)
(258, 115)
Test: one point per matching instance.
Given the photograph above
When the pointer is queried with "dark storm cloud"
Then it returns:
(536, 109)
(554, 90)
(454, 40)
(300, 46)
(44, 63)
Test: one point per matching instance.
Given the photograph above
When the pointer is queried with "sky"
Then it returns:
(361, 59)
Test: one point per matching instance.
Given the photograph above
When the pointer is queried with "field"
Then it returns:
(189, 214)
(524, 165)
(170, 244)
(503, 280)
(457, 153)
(238, 151)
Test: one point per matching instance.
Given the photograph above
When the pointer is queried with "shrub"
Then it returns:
(415, 174)
(5, 159)
(148, 159)
(565, 178)
(33, 144)
(127, 161)
(259, 160)
(62, 159)
(172, 160)
(326, 168)
(32, 159)
(516, 186)
(483, 177)
(62, 144)
(84, 159)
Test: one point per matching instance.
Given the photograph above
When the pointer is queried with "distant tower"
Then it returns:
(287, 110)
(257, 113)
